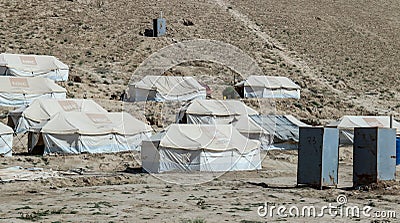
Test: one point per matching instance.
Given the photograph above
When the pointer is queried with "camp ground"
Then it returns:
(6, 140)
(273, 131)
(33, 66)
(346, 125)
(20, 91)
(268, 87)
(192, 111)
(41, 110)
(188, 147)
(166, 88)
(213, 112)
(83, 132)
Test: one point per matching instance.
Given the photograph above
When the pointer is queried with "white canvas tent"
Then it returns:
(347, 123)
(80, 132)
(6, 140)
(273, 131)
(185, 147)
(268, 87)
(33, 66)
(19, 91)
(41, 110)
(166, 88)
(213, 112)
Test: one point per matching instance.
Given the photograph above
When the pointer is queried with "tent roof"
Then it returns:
(270, 82)
(4, 129)
(170, 85)
(29, 85)
(42, 109)
(31, 63)
(206, 137)
(351, 122)
(219, 107)
(94, 124)
(283, 127)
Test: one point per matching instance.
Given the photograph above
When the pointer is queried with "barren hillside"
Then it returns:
(344, 53)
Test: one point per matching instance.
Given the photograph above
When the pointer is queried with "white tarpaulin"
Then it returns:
(33, 66)
(79, 132)
(213, 112)
(6, 140)
(19, 91)
(185, 147)
(274, 131)
(347, 123)
(166, 88)
(268, 87)
(17, 173)
(42, 109)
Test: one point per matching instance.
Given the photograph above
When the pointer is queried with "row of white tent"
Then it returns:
(75, 126)
(212, 135)
(157, 88)
(177, 88)
(18, 91)
(217, 134)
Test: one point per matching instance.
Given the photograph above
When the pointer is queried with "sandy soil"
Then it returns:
(111, 188)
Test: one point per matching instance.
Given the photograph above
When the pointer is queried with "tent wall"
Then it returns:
(261, 92)
(166, 159)
(35, 143)
(108, 143)
(137, 94)
(179, 160)
(166, 88)
(56, 75)
(12, 120)
(6, 144)
(268, 144)
(210, 119)
(150, 156)
(19, 99)
(273, 131)
(230, 161)
(23, 125)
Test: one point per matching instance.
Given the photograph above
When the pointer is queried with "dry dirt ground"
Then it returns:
(344, 54)
(110, 188)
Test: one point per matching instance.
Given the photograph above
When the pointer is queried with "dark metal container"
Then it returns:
(159, 27)
(374, 152)
(318, 157)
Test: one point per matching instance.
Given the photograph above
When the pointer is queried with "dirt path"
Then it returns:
(274, 45)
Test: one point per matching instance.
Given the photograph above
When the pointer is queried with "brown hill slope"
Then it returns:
(344, 54)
